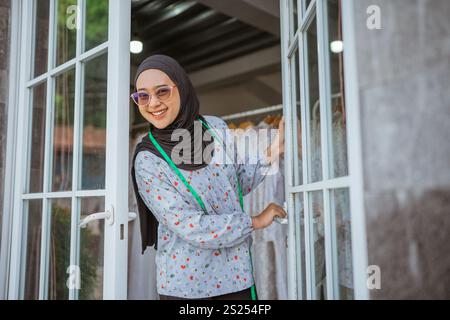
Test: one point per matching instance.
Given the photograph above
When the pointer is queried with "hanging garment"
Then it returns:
(231, 125)
(246, 125)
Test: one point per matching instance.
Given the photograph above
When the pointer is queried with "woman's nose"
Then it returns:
(154, 102)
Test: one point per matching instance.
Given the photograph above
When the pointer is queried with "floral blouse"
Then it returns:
(201, 255)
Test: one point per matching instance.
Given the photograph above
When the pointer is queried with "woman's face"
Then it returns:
(151, 81)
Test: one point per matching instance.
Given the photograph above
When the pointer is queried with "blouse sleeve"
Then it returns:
(187, 221)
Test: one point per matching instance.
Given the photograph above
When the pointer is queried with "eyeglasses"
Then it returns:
(143, 98)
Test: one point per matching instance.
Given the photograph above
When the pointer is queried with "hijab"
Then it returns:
(188, 114)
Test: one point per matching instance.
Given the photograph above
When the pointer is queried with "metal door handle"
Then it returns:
(282, 220)
(132, 216)
(108, 216)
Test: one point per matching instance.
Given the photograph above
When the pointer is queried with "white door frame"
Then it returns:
(117, 146)
(359, 238)
(8, 195)
(292, 40)
(117, 150)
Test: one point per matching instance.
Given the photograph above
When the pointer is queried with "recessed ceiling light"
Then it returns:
(136, 47)
(337, 46)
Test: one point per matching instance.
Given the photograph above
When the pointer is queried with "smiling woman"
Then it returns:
(159, 103)
(177, 107)
(202, 238)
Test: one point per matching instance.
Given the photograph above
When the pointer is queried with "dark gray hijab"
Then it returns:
(189, 112)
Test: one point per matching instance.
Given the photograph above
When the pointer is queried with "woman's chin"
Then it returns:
(158, 124)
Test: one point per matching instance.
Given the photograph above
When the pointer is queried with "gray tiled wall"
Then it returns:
(4, 63)
(404, 81)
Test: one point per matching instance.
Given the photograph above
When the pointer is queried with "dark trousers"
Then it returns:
(240, 295)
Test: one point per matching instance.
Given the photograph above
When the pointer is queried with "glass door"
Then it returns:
(319, 182)
(71, 191)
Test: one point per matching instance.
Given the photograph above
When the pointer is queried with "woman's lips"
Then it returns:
(159, 114)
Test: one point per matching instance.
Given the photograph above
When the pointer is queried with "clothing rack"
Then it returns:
(252, 112)
(267, 110)
(333, 97)
(231, 116)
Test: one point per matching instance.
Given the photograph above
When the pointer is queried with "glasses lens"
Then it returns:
(164, 93)
(134, 96)
(141, 98)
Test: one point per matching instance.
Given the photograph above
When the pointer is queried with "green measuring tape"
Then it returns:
(194, 193)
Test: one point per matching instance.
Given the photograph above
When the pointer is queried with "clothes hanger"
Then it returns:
(232, 125)
(276, 121)
(268, 119)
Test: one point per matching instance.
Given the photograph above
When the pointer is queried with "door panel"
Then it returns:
(41, 37)
(63, 132)
(59, 248)
(93, 156)
(340, 200)
(76, 154)
(91, 250)
(314, 142)
(35, 166)
(318, 183)
(32, 252)
(66, 29)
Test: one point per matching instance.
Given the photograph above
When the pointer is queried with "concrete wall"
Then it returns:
(4, 66)
(404, 77)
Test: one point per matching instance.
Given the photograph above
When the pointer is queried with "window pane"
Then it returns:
(66, 33)
(318, 238)
(315, 155)
(59, 249)
(338, 163)
(63, 132)
(293, 14)
(91, 251)
(37, 139)
(32, 248)
(341, 209)
(299, 219)
(41, 37)
(94, 124)
(297, 136)
(96, 23)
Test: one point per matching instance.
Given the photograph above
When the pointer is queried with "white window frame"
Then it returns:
(117, 147)
(290, 42)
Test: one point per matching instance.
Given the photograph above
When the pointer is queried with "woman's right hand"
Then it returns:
(265, 218)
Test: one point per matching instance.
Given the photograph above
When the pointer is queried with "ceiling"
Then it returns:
(194, 34)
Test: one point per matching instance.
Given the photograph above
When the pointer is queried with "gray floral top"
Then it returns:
(201, 255)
